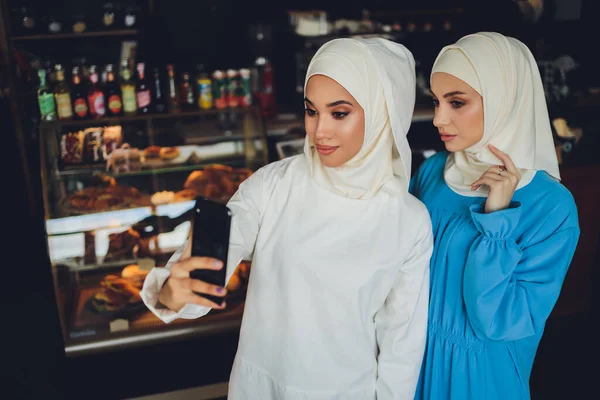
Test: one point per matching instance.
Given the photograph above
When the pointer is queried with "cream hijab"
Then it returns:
(504, 72)
(380, 75)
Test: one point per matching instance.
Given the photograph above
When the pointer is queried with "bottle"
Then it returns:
(80, 105)
(173, 92)
(158, 97)
(187, 93)
(128, 90)
(113, 93)
(62, 95)
(142, 91)
(204, 87)
(96, 95)
(45, 99)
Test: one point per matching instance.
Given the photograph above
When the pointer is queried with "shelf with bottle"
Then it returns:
(105, 97)
(147, 117)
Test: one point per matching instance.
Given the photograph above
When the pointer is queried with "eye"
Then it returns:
(310, 112)
(339, 115)
(435, 102)
(457, 104)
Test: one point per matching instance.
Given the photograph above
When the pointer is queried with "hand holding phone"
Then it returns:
(199, 277)
(210, 239)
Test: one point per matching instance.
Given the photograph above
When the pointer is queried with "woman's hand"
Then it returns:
(502, 181)
(180, 289)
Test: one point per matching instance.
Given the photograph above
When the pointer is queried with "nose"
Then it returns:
(441, 117)
(323, 130)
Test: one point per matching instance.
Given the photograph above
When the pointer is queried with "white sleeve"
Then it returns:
(401, 324)
(245, 207)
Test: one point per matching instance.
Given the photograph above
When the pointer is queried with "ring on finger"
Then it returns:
(501, 169)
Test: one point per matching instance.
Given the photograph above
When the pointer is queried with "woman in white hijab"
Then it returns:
(505, 229)
(337, 300)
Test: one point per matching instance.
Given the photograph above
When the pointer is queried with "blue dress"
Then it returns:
(494, 281)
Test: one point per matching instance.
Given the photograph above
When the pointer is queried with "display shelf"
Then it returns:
(73, 35)
(80, 170)
(148, 117)
(146, 329)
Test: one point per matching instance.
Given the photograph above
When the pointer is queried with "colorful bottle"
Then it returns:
(128, 90)
(62, 95)
(204, 85)
(187, 93)
(142, 91)
(45, 99)
(113, 93)
(96, 100)
(79, 97)
(173, 91)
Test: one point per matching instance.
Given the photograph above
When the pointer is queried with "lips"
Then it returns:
(326, 150)
(446, 137)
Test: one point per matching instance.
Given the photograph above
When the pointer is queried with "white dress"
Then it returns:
(338, 295)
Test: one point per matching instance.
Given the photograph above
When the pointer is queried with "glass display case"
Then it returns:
(117, 197)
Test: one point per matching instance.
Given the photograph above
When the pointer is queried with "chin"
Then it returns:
(331, 163)
(454, 147)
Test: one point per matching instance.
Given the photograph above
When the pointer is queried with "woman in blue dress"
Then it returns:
(505, 229)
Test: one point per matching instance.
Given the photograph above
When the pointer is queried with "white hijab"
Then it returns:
(504, 72)
(380, 75)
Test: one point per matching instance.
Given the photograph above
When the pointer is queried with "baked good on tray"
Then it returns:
(169, 153)
(116, 293)
(127, 245)
(152, 153)
(106, 196)
(216, 181)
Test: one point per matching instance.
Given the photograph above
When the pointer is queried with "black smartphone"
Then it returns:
(210, 238)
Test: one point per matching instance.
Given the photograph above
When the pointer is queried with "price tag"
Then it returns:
(119, 325)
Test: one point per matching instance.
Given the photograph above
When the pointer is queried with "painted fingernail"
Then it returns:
(220, 290)
(217, 263)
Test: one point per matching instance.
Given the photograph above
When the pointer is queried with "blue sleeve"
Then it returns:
(510, 292)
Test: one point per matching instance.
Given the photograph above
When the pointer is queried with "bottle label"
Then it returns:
(129, 101)
(205, 98)
(63, 104)
(81, 108)
(97, 106)
(143, 98)
(114, 104)
(46, 104)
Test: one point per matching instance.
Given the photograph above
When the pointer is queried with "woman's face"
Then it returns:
(458, 112)
(334, 121)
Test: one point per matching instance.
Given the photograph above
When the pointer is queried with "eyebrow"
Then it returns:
(449, 94)
(335, 103)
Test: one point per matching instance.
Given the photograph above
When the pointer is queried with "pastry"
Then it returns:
(135, 275)
(103, 180)
(197, 179)
(186, 195)
(163, 197)
(115, 294)
(123, 245)
(169, 153)
(212, 191)
(106, 201)
(235, 282)
(152, 153)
